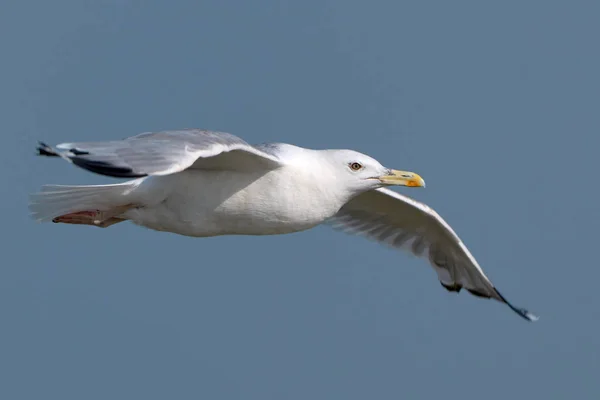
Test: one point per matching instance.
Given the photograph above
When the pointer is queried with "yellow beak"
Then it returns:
(402, 178)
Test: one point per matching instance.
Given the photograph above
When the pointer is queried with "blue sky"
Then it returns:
(495, 104)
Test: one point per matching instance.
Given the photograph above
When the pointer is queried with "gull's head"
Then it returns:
(362, 172)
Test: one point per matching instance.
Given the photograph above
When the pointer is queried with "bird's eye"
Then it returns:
(355, 166)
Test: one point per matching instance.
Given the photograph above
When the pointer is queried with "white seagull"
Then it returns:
(202, 183)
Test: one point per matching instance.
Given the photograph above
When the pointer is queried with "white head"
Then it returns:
(361, 172)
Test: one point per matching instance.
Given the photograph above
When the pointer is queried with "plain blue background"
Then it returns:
(495, 104)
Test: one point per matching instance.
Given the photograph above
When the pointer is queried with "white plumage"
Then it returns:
(202, 183)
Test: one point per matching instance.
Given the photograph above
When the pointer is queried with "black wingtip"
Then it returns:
(105, 168)
(44, 150)
(78, 157)
(451, 288)
(521, 311)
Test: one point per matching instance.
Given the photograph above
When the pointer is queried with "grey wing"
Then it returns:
(403, 223)
(163, 153)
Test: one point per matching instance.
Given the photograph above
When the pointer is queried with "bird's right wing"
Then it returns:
(403, 223)
(163, 153)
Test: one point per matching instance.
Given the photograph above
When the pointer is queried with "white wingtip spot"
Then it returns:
(524, 313)
(532, 317)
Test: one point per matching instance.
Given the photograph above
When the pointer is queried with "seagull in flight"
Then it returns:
(203, 183)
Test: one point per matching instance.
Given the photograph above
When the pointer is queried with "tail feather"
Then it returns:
(56, 200)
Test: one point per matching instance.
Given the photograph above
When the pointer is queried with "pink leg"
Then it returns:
(98, 218)
(80, 218)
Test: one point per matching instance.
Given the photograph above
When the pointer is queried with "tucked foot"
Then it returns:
(97, 218)
(80, 218)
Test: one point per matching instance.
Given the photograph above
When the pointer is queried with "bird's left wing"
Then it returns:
(164, 153)
(401, 222)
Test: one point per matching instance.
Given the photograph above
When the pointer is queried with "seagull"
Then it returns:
(203, 183)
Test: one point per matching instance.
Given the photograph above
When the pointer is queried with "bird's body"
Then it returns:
(202, 183)
(222, 202)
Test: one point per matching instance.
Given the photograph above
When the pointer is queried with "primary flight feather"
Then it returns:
(202, 183)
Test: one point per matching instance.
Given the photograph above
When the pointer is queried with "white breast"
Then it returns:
(210, 203)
